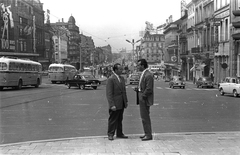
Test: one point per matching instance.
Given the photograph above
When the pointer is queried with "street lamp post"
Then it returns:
(133, 43)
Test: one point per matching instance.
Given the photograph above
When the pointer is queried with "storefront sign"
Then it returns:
(7, 41)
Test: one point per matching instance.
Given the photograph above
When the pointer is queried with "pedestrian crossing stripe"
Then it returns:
(176, 89)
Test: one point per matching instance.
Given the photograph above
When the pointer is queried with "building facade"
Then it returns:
(222, 53)
(235, 38)
(22, 29)
(152, 47)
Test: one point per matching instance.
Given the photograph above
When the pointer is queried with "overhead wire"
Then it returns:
(105, 40)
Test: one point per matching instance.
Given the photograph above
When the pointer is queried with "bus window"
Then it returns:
(3, 66)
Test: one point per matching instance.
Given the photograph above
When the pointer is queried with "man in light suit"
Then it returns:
(145, 97)
(117, 100)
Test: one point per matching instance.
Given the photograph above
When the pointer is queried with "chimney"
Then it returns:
(62, 20)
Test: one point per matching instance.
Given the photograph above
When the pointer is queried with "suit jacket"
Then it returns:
(116, 92)
(146, 87)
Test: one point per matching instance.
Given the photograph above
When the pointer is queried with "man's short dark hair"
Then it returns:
(115, 66)
(143, 62)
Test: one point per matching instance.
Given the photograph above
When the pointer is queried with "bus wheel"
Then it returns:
(19, 85)
(1, 88)
(53, 82)
(38, 83)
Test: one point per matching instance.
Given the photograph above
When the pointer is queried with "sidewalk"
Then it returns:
(220, 143)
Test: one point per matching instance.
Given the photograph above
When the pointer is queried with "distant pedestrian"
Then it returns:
(145, 97)
(117, 100)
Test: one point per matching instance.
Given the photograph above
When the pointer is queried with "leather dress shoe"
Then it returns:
(122, 136)
(142, 136)
(146, 138)
(110, 137)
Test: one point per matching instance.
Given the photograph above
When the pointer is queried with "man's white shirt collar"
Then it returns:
(141, 78)
(116, 76)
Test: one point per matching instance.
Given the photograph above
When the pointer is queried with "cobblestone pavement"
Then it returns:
(220, 143)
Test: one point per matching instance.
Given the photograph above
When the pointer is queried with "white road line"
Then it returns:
(159, 88)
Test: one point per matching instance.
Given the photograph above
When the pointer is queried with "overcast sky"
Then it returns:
(113, 21)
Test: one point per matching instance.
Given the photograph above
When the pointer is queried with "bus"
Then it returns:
(61, 72)
(15, 73)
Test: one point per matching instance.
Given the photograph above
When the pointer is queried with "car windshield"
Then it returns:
(135, 76)
(88, 76)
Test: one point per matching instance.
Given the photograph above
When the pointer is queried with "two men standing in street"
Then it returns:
(117, 100)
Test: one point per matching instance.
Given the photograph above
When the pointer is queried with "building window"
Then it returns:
(226, 30)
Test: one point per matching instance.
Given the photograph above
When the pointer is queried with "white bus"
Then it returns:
(16, 73)
(61, 72)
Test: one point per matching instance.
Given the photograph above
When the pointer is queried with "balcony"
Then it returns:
(236, 12)
(236, 24)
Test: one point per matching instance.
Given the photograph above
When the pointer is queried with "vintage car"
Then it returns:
(205, 82)
(177, 81)
(134, 78)
(82, 81)
(230, 85)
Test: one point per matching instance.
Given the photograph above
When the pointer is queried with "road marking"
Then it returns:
(159, 88)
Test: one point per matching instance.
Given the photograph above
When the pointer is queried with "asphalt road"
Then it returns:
(54, 111)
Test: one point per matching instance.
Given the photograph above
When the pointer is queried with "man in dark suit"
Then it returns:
(145, 96)
(117, 100)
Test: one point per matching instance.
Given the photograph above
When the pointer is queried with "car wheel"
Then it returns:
(183, 87)
(197, 86)
(94, 87)
(221, 92)
(82, 86)
(130, 82)
(235, 94)
(68, 85)
(172, 87)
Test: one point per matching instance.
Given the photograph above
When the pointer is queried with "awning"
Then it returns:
(197, 67)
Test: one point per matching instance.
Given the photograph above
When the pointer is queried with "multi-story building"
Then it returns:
(235, 38)
(22, 29)
(107, 50)
(152, 47)
(222, 54)
(87, 50)
(183, 44)
(49, 48)
(73, 43)
(171, 54)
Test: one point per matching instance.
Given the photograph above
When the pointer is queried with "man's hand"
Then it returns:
(113, 108)
(135, 89)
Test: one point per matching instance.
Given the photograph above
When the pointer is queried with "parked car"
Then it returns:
(205, 82)
(134, 78)
(82, 81)
(177, 81)
(230, 85)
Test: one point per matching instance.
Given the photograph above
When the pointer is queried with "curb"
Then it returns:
(130, 135)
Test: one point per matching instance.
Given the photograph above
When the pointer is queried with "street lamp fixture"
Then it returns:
(133, 43)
